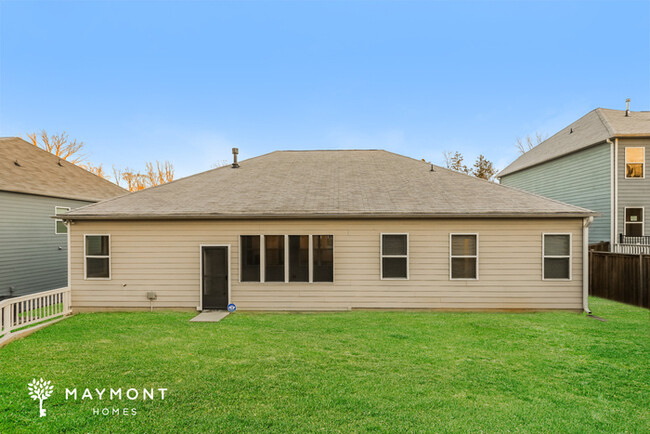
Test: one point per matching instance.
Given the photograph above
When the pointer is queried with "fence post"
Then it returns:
(68, 300)
(639, 301)
(5, 318)
(8, 310)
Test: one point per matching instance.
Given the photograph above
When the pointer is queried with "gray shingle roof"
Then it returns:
(593, 128)
(311, 184)
(45, 174)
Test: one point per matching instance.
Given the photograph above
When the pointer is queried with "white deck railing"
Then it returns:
(631, 249)
(29, 311)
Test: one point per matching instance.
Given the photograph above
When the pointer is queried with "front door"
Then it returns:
(214, 261)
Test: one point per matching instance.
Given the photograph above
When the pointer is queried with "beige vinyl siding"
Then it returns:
(163, 256)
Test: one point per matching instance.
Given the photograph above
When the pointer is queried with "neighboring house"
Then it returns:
(329, 230)
(598, 162)
(34, 186)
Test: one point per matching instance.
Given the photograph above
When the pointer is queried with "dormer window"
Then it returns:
(634, 162)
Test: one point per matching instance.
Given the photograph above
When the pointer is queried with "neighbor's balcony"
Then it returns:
(635, 245)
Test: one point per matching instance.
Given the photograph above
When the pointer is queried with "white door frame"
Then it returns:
(201, 246)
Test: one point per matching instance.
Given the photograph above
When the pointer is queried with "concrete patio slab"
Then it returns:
(210, 316)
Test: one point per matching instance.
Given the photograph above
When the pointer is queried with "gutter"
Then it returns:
(201, 216)
(585, 263)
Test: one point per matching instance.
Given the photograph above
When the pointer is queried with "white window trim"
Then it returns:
(570, 256)
(634, 162)
(201, 246)
(56, 232)
(382, 256)
(642, 222)
(451, 256)
(286, 259)
(86, 256)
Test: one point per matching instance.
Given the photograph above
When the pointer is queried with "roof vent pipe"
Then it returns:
(235, 151)
(627, 107)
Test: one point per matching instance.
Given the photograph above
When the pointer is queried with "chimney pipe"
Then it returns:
(235, 151)
(627, 107)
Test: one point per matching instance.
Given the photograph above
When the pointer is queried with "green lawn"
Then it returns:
(351, 371)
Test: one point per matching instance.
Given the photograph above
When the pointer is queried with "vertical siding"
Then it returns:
(582, 179)
(633, 193)
(30, 259)
(164, 257)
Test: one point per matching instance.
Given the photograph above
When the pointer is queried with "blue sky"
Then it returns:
(187, 81)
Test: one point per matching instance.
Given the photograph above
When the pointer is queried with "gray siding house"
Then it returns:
(34, 186)
(598, 162)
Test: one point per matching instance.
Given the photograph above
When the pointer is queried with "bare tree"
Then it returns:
(97, 170)
(528, 143)
(117, 175)
(454, 161)
(134, 180)
(60, 145)
(220, 163)
(161, 174)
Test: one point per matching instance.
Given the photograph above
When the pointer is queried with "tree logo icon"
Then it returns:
(40, 390)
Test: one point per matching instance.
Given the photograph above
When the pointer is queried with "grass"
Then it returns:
(352, 371)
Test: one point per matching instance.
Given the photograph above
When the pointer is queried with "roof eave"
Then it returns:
(504, 172)
(624, 135)
(190, 216)
(61, 196)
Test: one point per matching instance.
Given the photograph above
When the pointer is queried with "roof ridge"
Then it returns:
(605, 122)
(322, 150)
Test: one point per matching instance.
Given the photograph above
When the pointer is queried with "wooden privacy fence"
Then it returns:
(19, 315)
(620, 277)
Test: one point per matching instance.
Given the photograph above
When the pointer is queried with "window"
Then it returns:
(634, 222)
(463, 249)
(98, 260)
(298, 258)
(394, 256)
(323, 263)
(634, 162)
(250, 258)
(274, 258)
(59, 226)
(557, 256)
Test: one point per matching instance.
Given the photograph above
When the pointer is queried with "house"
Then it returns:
(34, 185)
(598, 162)
(329, 230)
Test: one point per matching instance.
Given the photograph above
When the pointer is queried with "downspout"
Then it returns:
(615, 210)
(585, 263)
(67, 305)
